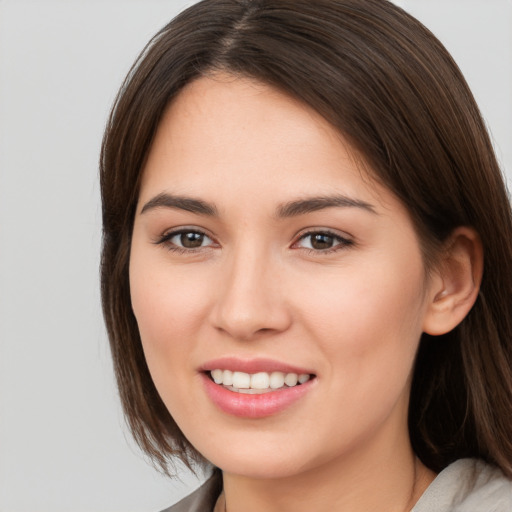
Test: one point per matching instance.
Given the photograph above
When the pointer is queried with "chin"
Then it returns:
(260, 460)
(260, 470)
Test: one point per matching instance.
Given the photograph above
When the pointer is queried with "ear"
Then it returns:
(455, 283)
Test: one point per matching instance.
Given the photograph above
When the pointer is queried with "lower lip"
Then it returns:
(254, 406)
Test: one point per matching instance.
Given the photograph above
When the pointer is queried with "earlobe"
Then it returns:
(454, 287)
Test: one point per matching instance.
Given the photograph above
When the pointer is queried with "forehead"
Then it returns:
(223, 135)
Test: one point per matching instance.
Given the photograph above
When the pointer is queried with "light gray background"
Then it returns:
(63, 444)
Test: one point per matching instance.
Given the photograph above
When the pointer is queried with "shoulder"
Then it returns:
(202, 499)
(468, 485)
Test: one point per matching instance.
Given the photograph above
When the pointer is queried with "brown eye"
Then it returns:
(321, 241)
(183, 240)
(191, 239)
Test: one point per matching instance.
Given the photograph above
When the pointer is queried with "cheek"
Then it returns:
(169, 306)
(169, 309)
(369, 322)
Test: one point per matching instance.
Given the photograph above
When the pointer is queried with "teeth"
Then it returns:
(303, 377)
(291, 379)
(257, 382)
(227, 378)
(217, 376)
(260, 380)
(241, 380)
(276, 380)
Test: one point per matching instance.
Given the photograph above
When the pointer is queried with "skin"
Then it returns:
(256, 287)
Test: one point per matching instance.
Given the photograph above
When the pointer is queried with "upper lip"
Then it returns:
(254, 365)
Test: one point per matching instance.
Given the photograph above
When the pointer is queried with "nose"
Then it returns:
(251, 300)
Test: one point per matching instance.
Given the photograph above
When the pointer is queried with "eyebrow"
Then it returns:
(286, 210)
(188, 204)
(313, 204)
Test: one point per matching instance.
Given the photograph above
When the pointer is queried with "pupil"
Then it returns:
(191, 240)
(322, 241)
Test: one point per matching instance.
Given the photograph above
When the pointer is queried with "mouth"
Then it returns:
(257, 388)
(257, 383)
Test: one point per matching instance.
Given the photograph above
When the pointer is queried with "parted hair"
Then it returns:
(393, 91)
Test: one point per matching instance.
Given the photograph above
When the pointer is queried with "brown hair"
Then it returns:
(390, 87)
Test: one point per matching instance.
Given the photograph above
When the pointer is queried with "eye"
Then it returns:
(322, 241)
(185, 239)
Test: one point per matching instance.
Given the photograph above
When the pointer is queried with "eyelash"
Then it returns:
(340, 241)
(165, 240)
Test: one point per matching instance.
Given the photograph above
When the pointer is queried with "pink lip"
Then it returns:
(252, 366)
(253, 406)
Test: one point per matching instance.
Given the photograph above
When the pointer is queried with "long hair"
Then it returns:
(393, 91)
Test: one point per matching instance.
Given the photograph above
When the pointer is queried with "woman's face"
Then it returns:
(262, 253)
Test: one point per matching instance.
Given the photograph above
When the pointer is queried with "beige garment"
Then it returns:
(203, 499)
(467, 485)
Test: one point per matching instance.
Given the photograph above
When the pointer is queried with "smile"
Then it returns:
(257, 383)
(257, 388)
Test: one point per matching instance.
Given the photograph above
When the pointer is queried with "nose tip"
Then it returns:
(251, 304)
(245, 327)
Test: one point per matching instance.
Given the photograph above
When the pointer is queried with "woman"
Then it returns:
(306, 270)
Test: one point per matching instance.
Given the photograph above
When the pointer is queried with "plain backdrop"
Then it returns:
(63, 443)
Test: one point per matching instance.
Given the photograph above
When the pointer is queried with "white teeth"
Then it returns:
(257, 382)
(276, 380)
(260, 380)
(241, 380)
(227, 378)
(291, 379)
(217, 376)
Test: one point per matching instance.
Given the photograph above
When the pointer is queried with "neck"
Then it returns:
(390, 480)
